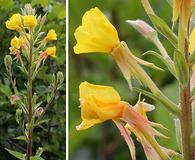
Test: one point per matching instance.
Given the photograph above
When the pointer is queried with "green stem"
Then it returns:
(186, 109)
(30, 130)
(147, 7)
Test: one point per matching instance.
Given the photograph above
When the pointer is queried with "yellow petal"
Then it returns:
(15, 42)
(14, 22)
(51, 35)
(192, 41)
(30, 21)
(98, 104)
(104, 94)
(96, 34)
(51, 51)
(176, 9)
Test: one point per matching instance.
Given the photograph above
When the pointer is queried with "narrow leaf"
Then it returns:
(164, 29)
(16, 154)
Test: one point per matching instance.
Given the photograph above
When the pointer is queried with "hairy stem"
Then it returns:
(30, 130)
(186, 109)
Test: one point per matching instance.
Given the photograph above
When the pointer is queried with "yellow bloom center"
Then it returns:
(98, 104)
(51, 35)
(14, 22)
(30, 21)
(96, 34)
(51, 51)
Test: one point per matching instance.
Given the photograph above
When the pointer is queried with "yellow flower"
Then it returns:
(30, 21)
(192, 41)
(98, 104)
(51, 35)
(14, 22)
(16, 42)
(51, 51)
(182, 8)
(96, 34)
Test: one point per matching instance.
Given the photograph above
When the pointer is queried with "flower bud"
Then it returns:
(145, 29)
(8, 62)
(60, 77)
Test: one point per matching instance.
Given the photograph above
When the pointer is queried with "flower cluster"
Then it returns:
(27, 25)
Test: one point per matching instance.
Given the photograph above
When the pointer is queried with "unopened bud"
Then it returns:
(43, 19)
(8, 62)
(39, 111)
(14, 99)
(60, 77)
(141, 26)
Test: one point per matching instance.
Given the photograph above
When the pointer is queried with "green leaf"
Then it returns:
(164, 29)
(178, 133)
(23, 138)
(177, 157)
(181, 68)
(16, 154)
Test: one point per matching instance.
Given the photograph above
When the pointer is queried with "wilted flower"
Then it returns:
(39, 111)
(14, 99)
(102, 103)
(51, 35)
(30, 21)
(14, 22)
(96, 34)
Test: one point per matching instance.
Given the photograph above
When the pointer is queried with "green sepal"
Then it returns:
(181, 68)
(164, 29)
(166, 62)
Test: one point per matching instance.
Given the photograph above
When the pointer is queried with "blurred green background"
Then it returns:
(104, 142)
(50, 135)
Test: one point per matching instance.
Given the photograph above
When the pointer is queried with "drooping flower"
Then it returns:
(51, 51)
(14, 22)
(96, 34)
(98, 104)
(30, 21)
(51, 35)
(102, 103)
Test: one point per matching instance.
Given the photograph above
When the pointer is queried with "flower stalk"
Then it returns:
(30, 130)
(186, 109)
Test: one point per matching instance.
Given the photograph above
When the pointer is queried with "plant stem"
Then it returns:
(147, 7)
(186, 109)
(30, 130)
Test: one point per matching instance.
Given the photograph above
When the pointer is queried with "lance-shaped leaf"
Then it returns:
(16, 154)
(178, 133)
(181, 68)
(164, 29)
